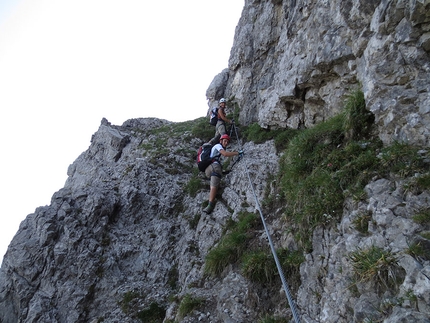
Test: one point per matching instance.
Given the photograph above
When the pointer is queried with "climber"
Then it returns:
(220, 128)
(214, 170)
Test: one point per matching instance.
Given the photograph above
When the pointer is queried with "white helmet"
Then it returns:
(222, 100)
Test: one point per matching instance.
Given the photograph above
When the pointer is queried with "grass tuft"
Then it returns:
(188, 304)
(375, 265)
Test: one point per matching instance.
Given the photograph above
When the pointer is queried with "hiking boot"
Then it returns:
(208, 209)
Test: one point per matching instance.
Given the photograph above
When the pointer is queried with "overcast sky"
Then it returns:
(66, 64)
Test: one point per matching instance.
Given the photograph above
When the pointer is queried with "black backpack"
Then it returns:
(204, 157)
(214, 116)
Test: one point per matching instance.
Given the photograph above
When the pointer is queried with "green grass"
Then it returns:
(259, 135)
(418, 250)
(272, 319)
(358, 121)
(405, 160)
(259, 265)
(374, 265)
(232, 244)
(188, 304)
(155, 142)
(425, 235)
(334, 160)
(194, 185)
(361, 222)
(422, 217)
(202, 129)
(127, 299)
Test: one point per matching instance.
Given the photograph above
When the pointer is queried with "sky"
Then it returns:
(66, 64)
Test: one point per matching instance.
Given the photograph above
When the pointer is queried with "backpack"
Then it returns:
(204, 157)
(214, 116)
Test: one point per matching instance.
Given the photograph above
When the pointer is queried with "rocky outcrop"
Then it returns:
(293, 62)
(122, 225)
(328, 274)
(126, 232)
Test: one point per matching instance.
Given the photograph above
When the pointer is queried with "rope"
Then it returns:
(275, 256)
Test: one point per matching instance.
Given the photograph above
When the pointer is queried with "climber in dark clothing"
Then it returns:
(214, 170)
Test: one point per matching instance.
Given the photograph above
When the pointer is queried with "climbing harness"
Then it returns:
(275, 256)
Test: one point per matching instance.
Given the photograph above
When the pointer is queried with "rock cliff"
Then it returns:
(126, 240)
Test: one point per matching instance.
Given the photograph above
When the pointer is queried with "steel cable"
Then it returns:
(275, 256)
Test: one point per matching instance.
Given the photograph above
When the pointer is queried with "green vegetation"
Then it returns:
(201, 129)
(425, 235)
(422, 217)
(259, 135)
(173, 277)
(155, 141)
(319, 169)
(411, 297)
(418, 250)
(272, 319)
(358, 120)
(194, 184)
(334, 160)
(154, 314)
(130, 306)
(375, 265)
(128, 297)
(259, 266)
(232, 244)
(188, 304)
(194, 221)
(361, 222)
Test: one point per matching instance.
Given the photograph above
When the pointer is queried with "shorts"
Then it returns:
(214, 172)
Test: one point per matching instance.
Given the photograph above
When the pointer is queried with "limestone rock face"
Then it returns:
(123, 234)
(126, 232)
(293, 62)
(123, 225)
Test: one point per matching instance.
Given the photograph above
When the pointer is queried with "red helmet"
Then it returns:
(225, 136)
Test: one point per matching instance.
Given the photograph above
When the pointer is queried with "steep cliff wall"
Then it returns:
(126, 238)
(125, 226)
(292, 63)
